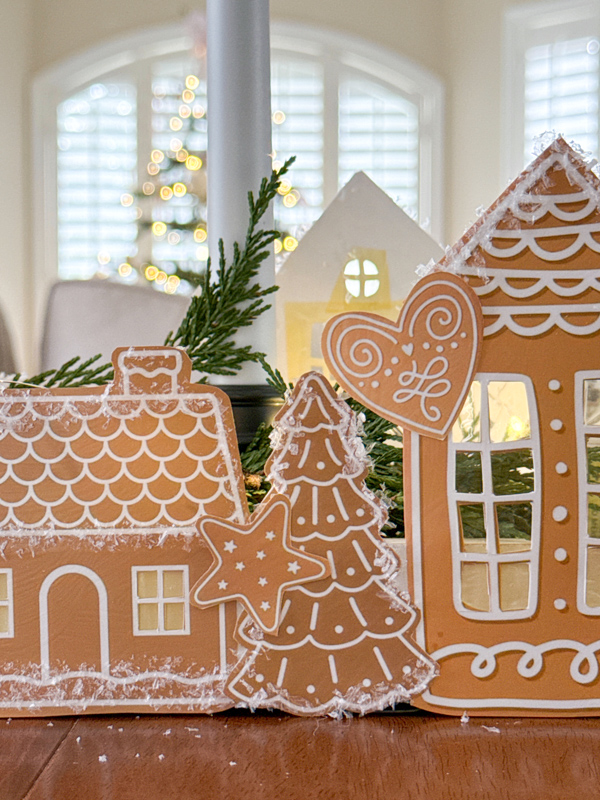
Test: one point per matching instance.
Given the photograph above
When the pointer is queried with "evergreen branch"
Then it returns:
(74, 372)
(234, 300)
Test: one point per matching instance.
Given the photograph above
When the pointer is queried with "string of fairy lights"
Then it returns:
(174, 180)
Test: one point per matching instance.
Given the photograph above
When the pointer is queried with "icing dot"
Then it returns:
(454, 345)
(310, 689)
(389, 620)
(406, 669)
(440, 348)
(560, 554)
(463, 335)
(339, 629)
(394, 360)
(559, 513)
(560, 604)
(387, 372)
(320, 465)
(330, 518)
(561, 467)
(366, 683)
(302, 547)
(290, 629)
(300, 520)
(426, 345)
(557, 424)
(360, 512)
(361, 384)
(374, 384)
(350, 571)
(554, 386)
(259, 678)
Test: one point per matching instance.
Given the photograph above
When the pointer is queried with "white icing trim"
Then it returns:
(531, 663)
(73, 569)
(529, 240)
(543, 280)
(553, 318)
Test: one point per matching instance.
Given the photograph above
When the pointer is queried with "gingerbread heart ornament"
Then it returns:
(415, 373)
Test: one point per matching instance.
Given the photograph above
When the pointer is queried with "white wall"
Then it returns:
(15, 74)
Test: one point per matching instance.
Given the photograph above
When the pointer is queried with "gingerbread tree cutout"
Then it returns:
(345, 641)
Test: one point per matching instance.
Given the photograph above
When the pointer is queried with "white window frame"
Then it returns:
(106, 62)
(487, 497)
(8, 603)
(161, 600)
(526, 26)
(585, 488)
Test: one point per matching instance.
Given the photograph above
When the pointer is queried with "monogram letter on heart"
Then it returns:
(416, 372)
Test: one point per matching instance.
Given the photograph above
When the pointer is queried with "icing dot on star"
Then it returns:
(387, 373)
(406, 669)
(320, 465)
(330, 518)
(426, 345)
(454, 345)
(389, 620)
(310, 689)
(300, 520)
(360, 512)
(440, 348)
(375, 384)
(463, 335)
(366, 683)
(290, 629)
(361, 384)
(394, 359)
(339, 629)
(259, 678)
(350, 571)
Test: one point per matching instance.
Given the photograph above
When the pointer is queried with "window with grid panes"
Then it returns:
(335, 117)
(494, 497)
(160, 600)
(587, 414)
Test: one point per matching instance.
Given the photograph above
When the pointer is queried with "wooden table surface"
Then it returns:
(239, 755)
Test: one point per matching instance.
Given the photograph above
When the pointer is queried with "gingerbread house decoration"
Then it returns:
(504, 534)
(360, 255)
(100, 492)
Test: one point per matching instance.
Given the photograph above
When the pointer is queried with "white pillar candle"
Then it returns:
(239, 145)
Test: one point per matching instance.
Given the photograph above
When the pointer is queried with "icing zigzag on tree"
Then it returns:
(344, 642)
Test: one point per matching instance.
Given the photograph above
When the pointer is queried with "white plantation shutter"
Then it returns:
(379, 134)
(96, 164)
(552, 77)
(561, 92)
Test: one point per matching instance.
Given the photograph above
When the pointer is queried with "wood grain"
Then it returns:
(240, 756)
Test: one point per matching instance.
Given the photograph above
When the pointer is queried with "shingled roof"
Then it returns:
(149, 450)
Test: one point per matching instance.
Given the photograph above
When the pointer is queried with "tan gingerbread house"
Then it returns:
(504, 515)
(100, 492)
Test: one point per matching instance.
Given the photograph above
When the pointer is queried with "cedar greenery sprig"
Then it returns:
(223, 307)
(232, 301)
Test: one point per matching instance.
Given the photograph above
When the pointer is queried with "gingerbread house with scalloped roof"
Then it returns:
(504, 538)
(100, 491)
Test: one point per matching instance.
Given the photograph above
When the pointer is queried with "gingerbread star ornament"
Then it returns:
(256, 563)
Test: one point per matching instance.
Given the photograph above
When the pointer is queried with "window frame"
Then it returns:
(135, 52)
(160, 599)
(8, 603)
(488, 498)
(585, 488)
(524, 27)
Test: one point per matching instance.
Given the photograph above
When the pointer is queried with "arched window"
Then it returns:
(338, 104)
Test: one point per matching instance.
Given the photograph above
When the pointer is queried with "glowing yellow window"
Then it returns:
(160, 600)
